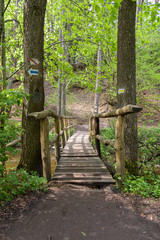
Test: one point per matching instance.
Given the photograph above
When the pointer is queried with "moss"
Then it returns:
(131, 167)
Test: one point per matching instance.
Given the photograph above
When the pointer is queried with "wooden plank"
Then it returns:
(84, 158)
(80, 162)
(93, 170)
(86, 173)
(82, 169)
(81, 165)
(78, 155)
(81, 177)
(86, 181)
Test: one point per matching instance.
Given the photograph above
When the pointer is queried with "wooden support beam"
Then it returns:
(62, 131)
(105, 142)
(69, 128)
(55, 138)
(97, 132)
(65, 130)
(45, 154)
(57, 143)
(119, 146)
(90, 129)
(121, 111)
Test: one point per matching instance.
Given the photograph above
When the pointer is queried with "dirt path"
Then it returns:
(75, 213)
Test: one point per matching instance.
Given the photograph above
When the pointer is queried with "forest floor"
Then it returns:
(72, 212)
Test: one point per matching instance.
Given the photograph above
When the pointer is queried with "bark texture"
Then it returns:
(1, 16)
(34, 13)
(126, 78)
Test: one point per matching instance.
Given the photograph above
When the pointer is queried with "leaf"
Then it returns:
(97, 8)
(84, 234)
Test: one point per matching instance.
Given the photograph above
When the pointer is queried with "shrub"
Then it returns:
(19, 182)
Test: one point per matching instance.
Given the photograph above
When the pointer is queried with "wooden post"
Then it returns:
(65, 130)
(57, 143)
(75, 123)
(97, 132)
(90, 129)
(45, 154)
(119, 146)
(62, 129)
(69, 129)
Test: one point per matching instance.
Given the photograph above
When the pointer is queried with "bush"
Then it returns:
(19, 182)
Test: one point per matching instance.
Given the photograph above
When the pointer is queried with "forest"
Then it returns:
(80, 67)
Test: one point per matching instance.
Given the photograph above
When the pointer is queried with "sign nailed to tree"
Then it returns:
(33, 72)
(34, 61)
(121, 90)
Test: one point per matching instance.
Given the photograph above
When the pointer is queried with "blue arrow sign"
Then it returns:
(33, 72)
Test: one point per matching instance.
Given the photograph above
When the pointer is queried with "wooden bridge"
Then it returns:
(79, 162)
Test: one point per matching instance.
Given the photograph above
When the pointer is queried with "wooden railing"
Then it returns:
(118, 145)
(62, 131)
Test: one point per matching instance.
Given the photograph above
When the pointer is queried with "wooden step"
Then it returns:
(92, 170)
(86, 181)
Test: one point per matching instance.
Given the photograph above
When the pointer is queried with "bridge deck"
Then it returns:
(79, 163)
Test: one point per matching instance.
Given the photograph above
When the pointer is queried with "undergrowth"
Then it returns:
(147, 183)
(19, 182)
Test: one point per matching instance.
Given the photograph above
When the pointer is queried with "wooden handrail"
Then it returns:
(43, 114)
(121, 111)
(118, 145)
(61, 128)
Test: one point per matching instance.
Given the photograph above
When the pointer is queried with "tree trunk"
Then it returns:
(3, 65)
(1, 16)
(99, 58)
(126, 78)
(59, 82)
(34, 13)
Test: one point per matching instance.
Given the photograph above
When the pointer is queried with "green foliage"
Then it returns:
(51, 135)
(147, 185)
(9, 129)
(107, 151)
(17, 183)
(148, 62)
(149, 146)
(8, 98)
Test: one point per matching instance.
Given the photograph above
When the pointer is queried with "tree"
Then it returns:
(34, 13)
(99, 59)
(126, 78)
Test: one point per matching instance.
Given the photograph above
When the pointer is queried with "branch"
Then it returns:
(79, 39)
(82, 10)
(13, 143)
(7, 6)
(10, 20)
(16, 71)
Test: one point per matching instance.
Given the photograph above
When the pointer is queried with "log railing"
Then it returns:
(62, 131)
(118, 145)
